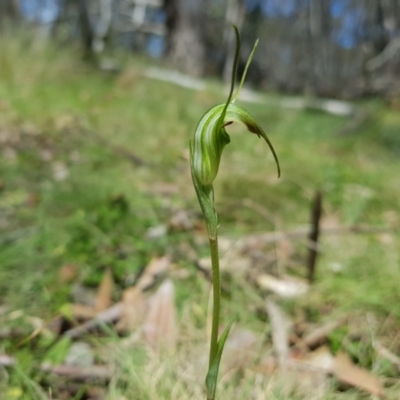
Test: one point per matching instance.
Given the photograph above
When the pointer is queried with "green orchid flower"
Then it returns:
(206, 147)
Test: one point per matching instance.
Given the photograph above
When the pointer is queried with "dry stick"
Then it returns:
(386, 353)
(94, 372)
(115, 312)
(316, 212)
(272, 237)
(280, 332)
(109, 315)
(319, 335)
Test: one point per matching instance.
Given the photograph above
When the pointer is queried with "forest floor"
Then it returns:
(98, 217)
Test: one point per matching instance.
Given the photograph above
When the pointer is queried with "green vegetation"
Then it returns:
(73, 192)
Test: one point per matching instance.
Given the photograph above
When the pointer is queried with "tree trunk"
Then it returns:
(320, 18)
(86, 30)
(103, 26)
(185, 38)
(381, 39)
(321, 46)
(9, 9)
(235, 14)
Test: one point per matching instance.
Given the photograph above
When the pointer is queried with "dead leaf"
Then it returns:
(156, 267)
(133, 309)
(104, 293)
(67, 273)
(280, 325)
(288, 287)
(347, 372)
(160, 329)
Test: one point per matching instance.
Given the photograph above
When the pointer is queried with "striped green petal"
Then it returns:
(210, 138)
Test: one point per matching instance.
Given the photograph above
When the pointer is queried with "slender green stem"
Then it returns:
(216, 299)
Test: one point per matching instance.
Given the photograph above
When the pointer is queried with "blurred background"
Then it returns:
(104, 263)
(340, 48)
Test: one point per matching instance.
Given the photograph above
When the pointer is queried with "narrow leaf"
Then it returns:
(212, 374)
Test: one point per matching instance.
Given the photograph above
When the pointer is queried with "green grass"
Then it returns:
(53, 109)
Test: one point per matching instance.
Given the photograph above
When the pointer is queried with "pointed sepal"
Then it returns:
(235, 113)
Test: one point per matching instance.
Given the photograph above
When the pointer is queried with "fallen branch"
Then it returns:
(111, 314)
(272, 237)
(315, 338)
(280, 325)
(71, 371)
(94, 372)
(387, 354)
(387, 54)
